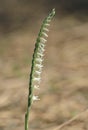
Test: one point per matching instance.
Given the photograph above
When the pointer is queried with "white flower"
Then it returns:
(40, 54)
(37, 79)
(38, 65)
(39, 60)
(44, 34)
(43, 40)
(45, 29)
(38, 72)
(48, 20)
(47, 24)
(41, 49)
(35, 98)
(36, 86)
(41, 44)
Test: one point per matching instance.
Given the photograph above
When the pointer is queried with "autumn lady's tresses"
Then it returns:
(37, 63)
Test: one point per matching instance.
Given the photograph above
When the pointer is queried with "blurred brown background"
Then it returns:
(64, 87)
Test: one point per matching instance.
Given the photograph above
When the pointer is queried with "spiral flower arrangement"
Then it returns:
(37, 63)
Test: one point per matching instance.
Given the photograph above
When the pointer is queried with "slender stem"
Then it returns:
(26, 119)
(29, 99)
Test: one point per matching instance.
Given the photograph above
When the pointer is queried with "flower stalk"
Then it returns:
(37, 60)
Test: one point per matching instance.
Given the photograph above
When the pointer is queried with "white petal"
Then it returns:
(47, 24)
(42, 40)
(45, 29)
(44, 34)
(40, 54)
(42, 45)
(38, 65)
(38, 72)
(39, 60)
(41, 50)
(37, 79)
(36, 86)
(48, 20)
(35, 98)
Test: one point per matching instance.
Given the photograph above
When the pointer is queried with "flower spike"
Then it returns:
(37, 63)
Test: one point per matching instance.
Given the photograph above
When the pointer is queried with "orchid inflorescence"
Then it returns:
(37, 63)
(37, 60)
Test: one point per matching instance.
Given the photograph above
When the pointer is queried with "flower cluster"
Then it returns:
(37, 62)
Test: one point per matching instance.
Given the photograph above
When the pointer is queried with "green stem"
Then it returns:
(29, 100)
(26, 119)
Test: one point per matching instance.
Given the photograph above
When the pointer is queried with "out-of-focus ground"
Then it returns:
(64, 87)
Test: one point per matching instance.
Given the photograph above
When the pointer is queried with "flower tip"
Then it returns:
(53, 10)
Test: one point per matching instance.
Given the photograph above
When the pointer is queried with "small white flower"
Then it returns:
(43, 40)
(42, 45)
(40, 54)
(44, 34)
(35, 98)
(36, 86)
(37, 79)
(38, 72)
(41, 49)
(39, 60)
(47, 24)
(45, 29)
(48, 20)
(38, 65)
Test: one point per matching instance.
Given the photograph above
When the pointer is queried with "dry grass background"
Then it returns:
(64, 86)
